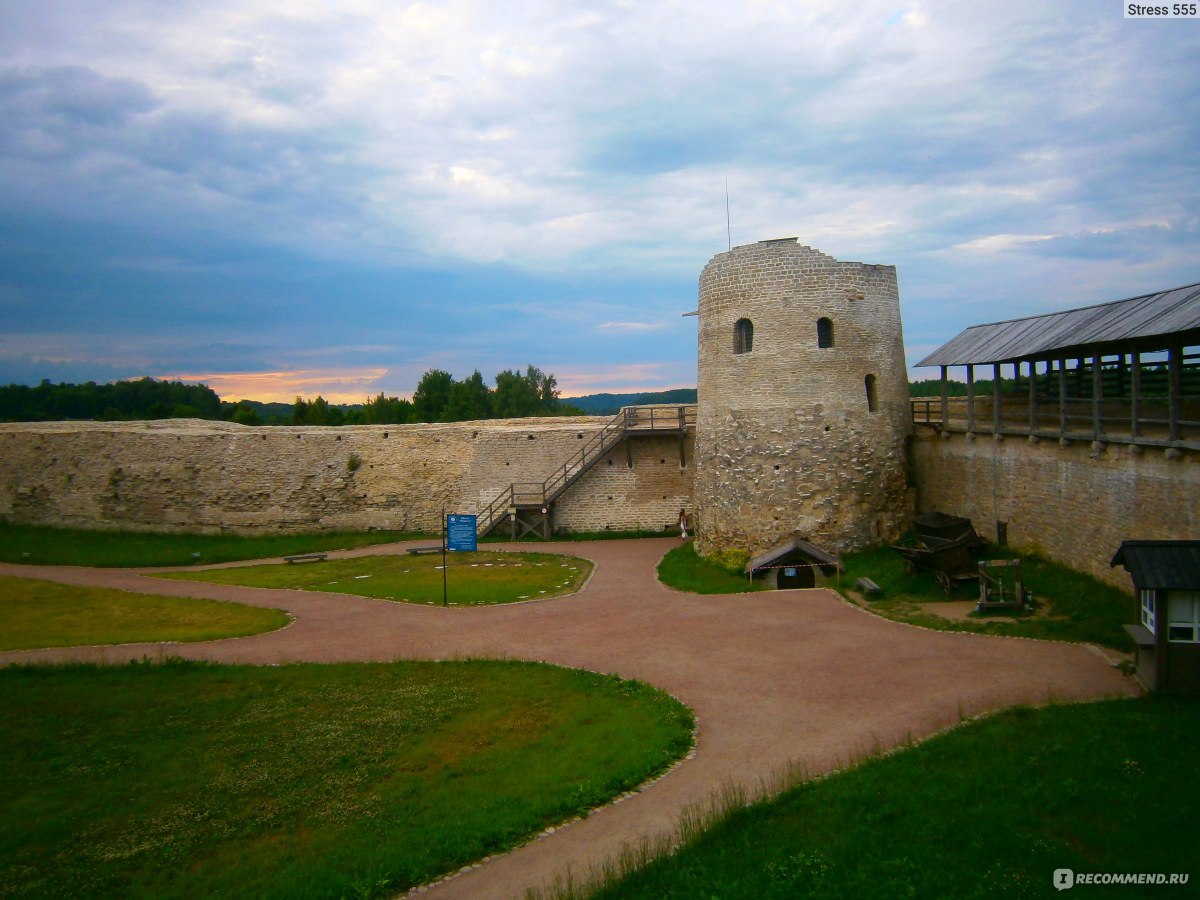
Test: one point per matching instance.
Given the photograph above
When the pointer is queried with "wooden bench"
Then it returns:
(867, 586)
(416, 551)
(306, 557)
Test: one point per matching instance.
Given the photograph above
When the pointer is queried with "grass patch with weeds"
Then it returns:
(989, 809)
(475, 579)
(685, 570)
(187, 780)
(37, 545)
(45, 614)
(1072, 606)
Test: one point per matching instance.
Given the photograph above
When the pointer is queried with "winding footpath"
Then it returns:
(777, 679)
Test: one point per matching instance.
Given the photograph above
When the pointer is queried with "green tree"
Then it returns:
(383, 410)
(432, 395)
(469, 399)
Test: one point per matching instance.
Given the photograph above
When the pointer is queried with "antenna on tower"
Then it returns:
(728, 232)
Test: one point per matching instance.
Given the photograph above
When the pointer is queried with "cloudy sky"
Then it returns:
(282, 197)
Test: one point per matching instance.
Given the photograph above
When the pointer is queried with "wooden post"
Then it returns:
(1062, 397)
(1135, 396)
(971, 397)
(1097, 398)
(1174, 388)
(996, 420)
(1033, 420)
(945, 399)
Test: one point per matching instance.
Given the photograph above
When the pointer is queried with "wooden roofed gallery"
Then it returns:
(1121, 372)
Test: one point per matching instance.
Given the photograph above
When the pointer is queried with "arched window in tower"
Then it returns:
(824, 333)
(743, 336)
(871, 401)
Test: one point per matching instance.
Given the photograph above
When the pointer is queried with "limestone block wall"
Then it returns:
(795, 437)
(1074, 504)
(645, 496)
(212, 476)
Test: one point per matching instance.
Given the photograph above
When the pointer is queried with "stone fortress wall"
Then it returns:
(803, 430)
(787, 442)
(212, 476)
(1071, 503)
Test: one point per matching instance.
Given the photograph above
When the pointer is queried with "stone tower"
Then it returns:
(803, 401)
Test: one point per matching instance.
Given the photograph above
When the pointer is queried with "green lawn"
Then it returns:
(45, 614)
(122, 549)
(990, 809)
(188, 780)
(683, 569)
(1072, 606)
(473, 579)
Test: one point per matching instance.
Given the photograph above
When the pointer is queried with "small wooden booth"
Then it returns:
(793, 564)
(1166, 581)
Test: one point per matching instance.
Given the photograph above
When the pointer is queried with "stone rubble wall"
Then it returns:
(1073, 504)
(786, 443)
(192, 475)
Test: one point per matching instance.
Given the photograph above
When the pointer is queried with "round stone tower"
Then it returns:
(803, 401)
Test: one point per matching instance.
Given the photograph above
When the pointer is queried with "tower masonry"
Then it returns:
(803, 401)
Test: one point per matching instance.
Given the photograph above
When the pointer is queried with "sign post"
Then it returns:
(458, 535)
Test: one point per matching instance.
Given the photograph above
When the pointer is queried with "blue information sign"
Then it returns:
(460, 532)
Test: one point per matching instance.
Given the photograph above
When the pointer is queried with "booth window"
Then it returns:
(824, 333)
(1148, 611)
(743, 336)
(869, 381)
(1183, 616)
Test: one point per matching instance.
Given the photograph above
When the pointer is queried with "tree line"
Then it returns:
(437, 398)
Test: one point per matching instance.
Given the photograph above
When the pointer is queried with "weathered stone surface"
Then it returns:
(1068, 502)
(212, 476)
(785, 441)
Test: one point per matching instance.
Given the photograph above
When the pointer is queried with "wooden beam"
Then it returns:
(1033, 418)
(996, 398)
(971, 397)
(1097, 398)
(1135, 396)
(945, 398)
(1062, 397)
(1174, 388)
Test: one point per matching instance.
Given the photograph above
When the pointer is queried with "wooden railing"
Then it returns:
(532, 494)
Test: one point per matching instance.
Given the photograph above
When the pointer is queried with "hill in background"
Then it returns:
(610, 404)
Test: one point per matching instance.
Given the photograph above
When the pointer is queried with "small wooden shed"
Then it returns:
(793, 564)
(1166, 581)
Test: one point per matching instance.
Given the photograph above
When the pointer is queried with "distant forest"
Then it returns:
(438, 398)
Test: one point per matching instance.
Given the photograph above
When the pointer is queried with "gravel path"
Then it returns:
(777, 679)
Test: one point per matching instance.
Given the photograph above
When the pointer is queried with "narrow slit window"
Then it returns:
(743, 336)
(869, 381)
(824, 333)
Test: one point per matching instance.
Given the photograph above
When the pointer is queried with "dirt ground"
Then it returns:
(777, 679)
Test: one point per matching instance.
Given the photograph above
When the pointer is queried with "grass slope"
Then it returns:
(44, 614)
(186, 780)
(683, 569)
(127, 549)
(473, 579)
(987, 810)
(1075, 606)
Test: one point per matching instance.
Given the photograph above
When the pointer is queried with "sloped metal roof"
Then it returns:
(1161, 565)
(1136, 318)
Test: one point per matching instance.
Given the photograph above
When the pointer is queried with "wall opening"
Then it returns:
(743, 336)
(869, 382)
(824, 333)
